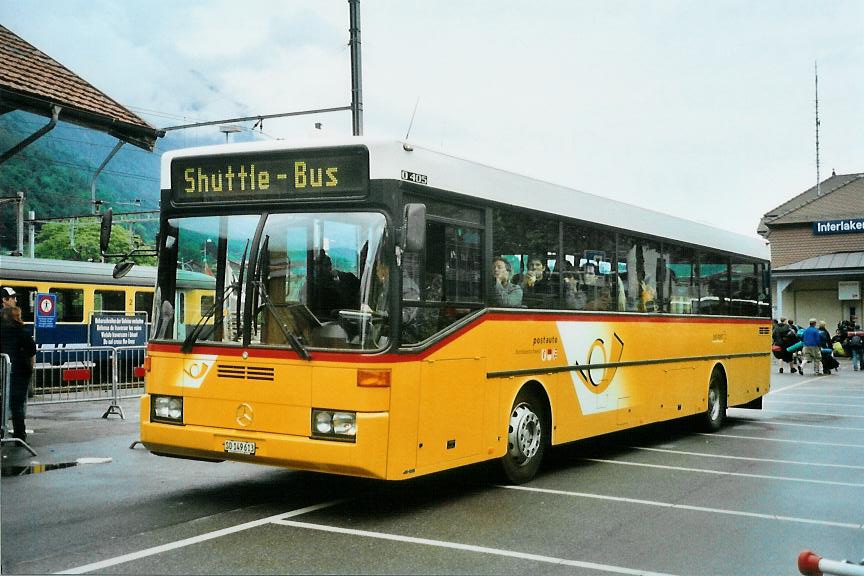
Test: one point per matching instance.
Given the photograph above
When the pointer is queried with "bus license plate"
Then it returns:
(239, 447)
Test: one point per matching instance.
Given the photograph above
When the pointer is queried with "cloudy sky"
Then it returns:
(700, 109)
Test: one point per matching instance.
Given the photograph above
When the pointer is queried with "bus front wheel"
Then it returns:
(715, 414)
(527, 438)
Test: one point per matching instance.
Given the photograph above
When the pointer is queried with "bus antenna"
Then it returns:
(411, 123)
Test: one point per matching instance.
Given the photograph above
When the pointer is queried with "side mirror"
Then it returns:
(105, 232)
(122, 268)
(414, 231)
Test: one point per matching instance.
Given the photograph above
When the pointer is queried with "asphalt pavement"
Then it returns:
(655, 499)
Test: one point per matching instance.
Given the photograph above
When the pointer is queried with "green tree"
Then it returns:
(56, 241)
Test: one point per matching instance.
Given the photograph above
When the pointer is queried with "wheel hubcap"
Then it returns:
(713, 403)
(524, 435)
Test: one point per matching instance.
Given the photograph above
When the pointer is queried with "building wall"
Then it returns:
(793, 244)
(792, 240)
(818, 298)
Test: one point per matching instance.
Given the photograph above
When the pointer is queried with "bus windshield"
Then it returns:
(318, 277)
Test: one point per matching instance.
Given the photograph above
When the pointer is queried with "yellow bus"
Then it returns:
(388, 311)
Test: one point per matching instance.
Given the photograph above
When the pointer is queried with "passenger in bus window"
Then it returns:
(574, 296)
(506, 293)
(599, 298)
(537, 285)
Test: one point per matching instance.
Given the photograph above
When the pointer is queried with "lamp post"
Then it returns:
(207, 245)
(229, 129)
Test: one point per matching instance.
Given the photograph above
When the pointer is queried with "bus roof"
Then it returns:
(389, 158)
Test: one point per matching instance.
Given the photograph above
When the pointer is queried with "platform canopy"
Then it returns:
(32, 81)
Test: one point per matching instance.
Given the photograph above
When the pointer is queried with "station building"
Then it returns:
(817, 252)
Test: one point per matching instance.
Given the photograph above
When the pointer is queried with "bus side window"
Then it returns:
(713, 284)
(530, 245)
(591, 283)
(746, 292)
(637, 274)
(447, 272)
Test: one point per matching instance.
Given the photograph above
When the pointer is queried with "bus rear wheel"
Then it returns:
(527, 437)
(715, 414)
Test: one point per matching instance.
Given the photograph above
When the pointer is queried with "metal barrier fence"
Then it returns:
(811, 564)
(84, 374)
(5, 386)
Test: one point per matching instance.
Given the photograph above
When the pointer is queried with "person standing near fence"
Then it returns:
(8, 296)
(19, 345)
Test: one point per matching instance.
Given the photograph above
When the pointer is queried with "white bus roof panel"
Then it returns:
(389, 158)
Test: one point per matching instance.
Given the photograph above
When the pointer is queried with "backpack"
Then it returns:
(856, 341)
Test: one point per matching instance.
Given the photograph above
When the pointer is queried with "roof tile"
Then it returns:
(27, 72)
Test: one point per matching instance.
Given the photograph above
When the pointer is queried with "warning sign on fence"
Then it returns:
(112, 330)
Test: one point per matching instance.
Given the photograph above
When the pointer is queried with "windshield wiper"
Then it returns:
(199, 327)
(283, 326)
(238, 326)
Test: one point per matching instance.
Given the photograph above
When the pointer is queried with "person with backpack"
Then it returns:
(855, 345)
(829, 363)
(782, 338)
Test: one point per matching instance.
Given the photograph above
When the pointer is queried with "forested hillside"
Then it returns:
(54, 172)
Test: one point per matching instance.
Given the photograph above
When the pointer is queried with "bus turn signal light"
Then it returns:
(373, 378)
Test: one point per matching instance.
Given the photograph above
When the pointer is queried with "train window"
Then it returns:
(109, 301)
(207, 303)
(181, 309)
(26, 298)
(143, 302)
(70, 304)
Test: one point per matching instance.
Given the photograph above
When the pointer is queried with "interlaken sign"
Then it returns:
(847, 226)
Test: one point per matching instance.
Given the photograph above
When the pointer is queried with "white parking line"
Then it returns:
(791, 386)
(723, 473)
(728, 457)
(468, 548)
(823, 426)
(195, 539)
(824, 386)
(825, 396)
(807, 403)
(786, 440)
(788, 413)
(688, 507)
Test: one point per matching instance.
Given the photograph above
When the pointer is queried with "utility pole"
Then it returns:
(356, 73)
(818, 179)
(32, 235)
(20, 250)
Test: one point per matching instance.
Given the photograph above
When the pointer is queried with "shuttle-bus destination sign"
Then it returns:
(270, 176)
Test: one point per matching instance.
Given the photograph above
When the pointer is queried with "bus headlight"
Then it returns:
(333, 425)
(168, 409)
